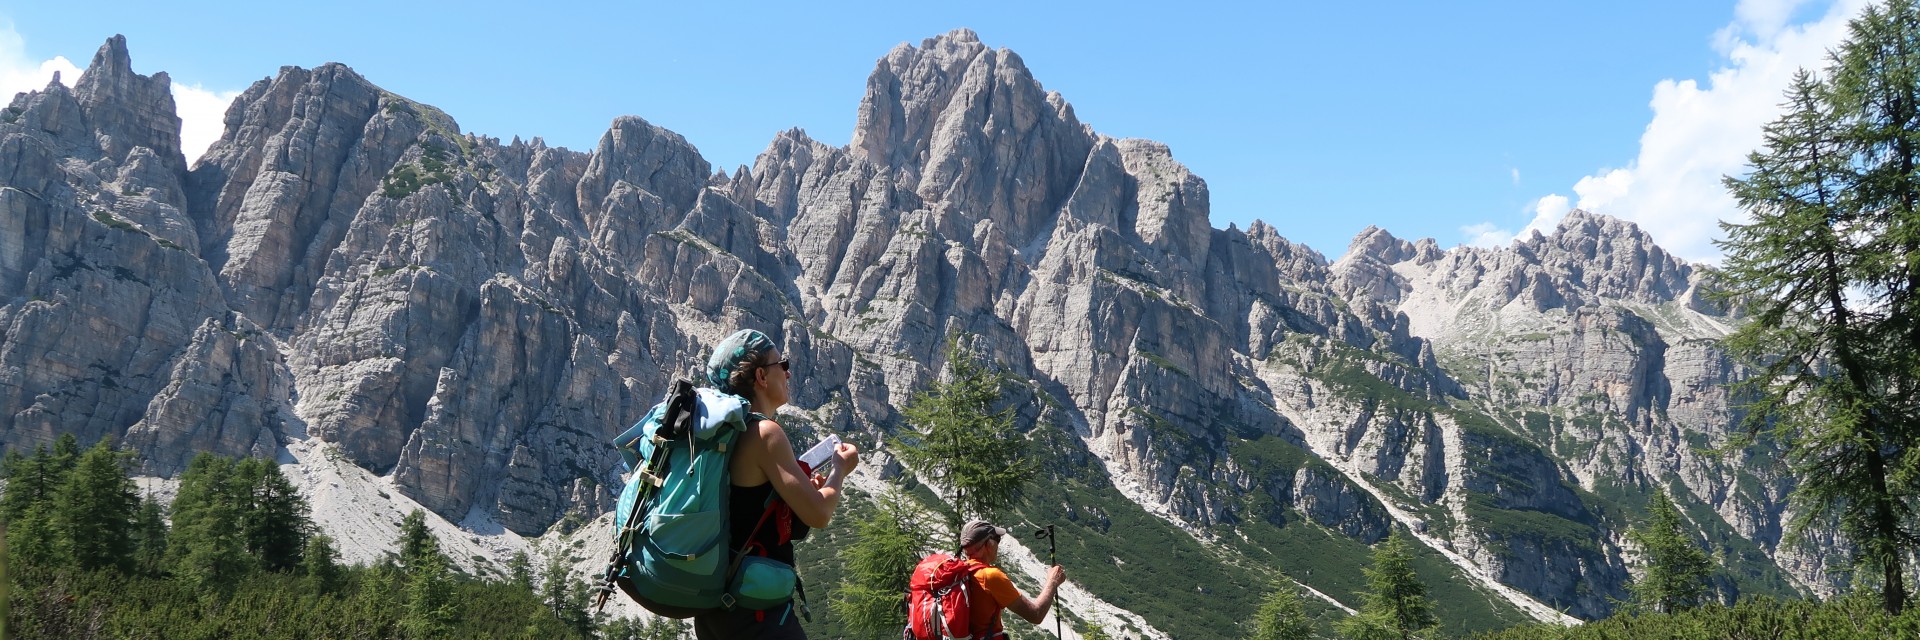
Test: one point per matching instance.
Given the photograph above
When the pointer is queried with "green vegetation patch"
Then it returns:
(1332, 564)
(1162, 362)
(1851, 618)
(1530, 524)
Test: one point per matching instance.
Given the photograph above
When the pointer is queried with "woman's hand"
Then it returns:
(845, 458)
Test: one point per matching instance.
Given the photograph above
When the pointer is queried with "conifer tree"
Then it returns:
(66, 452)
(207, 542)
(416, 542)
(871, 598)
(520, 571)
(1829, 271)
(431, 608)
(27, 506)
(1397, 607)
(95, 510)
(1676, 570)
(426, 578)
(34, 480)
(31, 538)
(653, 629)
(274, 515)
(31, 480)
(150, 538)
(565, 597)
(1281, 616)
(961, 442)
(318, 562)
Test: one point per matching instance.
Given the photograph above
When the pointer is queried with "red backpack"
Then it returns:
(937, 599)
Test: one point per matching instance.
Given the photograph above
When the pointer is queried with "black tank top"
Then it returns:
(745, 505)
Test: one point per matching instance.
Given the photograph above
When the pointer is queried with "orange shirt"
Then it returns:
(990, 592)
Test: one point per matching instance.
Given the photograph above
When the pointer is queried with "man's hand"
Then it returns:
(1034, 609)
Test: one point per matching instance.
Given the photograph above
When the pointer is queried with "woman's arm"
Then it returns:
(813, 505)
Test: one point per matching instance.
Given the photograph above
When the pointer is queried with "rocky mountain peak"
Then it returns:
(1609, 257)
(128, 110)
(906, 92)
(651, 158)
(960, 35)
(1379, 244)
(957, 122)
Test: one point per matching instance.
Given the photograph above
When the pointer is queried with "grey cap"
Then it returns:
(979, 530)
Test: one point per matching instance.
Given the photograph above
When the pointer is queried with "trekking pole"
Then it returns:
(1053, 559)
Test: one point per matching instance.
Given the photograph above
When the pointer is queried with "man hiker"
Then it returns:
(992, 591)
(748, 364)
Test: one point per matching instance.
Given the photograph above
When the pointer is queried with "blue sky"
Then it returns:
(1466, 122)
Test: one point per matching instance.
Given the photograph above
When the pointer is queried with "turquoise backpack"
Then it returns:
(670, 527)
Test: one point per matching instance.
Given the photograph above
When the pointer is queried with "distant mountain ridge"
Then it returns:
(346, 270)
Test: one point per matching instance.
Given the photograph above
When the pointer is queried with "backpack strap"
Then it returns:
(740, 555)
(800, 597)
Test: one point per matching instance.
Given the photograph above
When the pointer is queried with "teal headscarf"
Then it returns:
(742, 349)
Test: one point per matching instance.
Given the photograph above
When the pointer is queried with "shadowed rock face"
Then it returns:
(476, 318)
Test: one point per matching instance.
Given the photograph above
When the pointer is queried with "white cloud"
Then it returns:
(1516, 176)
(1486, 235)
(202, 111)
(202, 117)
(1547, 213)
(1702, 131)
(19, 73)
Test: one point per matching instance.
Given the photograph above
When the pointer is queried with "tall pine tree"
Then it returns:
(318, 562)
(1281, 616)
(207, 543)
(566, 598)
(1828, 270)
(871, 598)
(961, 442)
(1676, 570)
(31, 480)
(1397, 607)
(95, 511)
(416, 542)
(27, 506)
(430, 608)
(520, 571)
(273, 514)
(150, 538)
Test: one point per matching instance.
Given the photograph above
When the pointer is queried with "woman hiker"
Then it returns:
(747, 364)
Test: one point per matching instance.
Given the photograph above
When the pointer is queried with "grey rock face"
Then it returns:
(476, 318)
(1593, 342)
(111, 318)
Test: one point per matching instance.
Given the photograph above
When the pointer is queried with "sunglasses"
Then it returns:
(783, 364)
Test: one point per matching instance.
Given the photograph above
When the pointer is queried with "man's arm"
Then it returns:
(1035, 609)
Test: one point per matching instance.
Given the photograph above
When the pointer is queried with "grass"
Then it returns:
(1162, 362)
(1138, 561)
(1498, 522)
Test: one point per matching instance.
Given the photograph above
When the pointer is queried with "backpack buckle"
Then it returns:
(654, 480)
